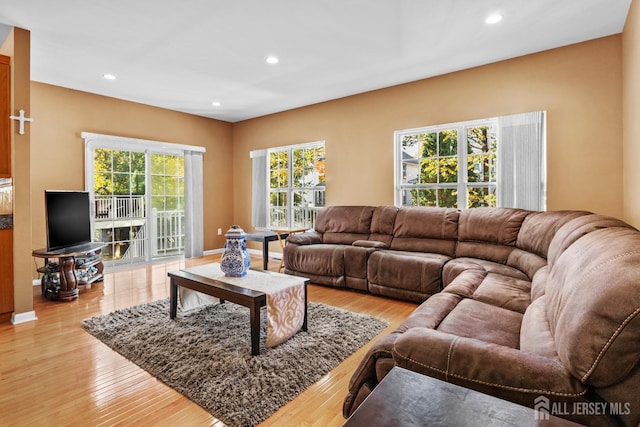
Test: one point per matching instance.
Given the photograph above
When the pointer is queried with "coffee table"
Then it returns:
(220, 288)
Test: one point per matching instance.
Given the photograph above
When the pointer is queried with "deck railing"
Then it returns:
(117, 207)
(303, 217)
(166, 228)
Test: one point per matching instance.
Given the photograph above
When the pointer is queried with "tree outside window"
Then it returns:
(432, 171)
(296, 185)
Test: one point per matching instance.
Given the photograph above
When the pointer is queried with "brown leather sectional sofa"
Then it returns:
(513, 303)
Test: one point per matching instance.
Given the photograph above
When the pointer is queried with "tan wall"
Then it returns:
(18, 47)
(580, 87)
(631, 115)
(57, 161)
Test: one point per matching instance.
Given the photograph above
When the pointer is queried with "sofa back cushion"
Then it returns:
(538, 229)
(426, 229)
(572, 230)
(382, 223)
(344, 224)
(489, 233)
(592, 299)
(534, 238)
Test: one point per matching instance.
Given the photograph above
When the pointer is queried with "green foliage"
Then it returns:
(122, 173)
(308, 171)
(437, 157)
(278, 169)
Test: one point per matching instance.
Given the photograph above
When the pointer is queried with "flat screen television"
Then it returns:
(68, 218)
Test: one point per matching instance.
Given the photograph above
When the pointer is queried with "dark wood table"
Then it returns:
(265, 237)
(219, 288)
(406, 398)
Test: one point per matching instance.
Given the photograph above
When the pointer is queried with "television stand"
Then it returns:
(77, 265)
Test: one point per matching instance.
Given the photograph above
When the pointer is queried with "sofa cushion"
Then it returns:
(538, 229)
(489, 233)
(534, 238)
(490, 368)
(426, 229)
(539, 282)
(321, 259)
(593, 305)
(382, 223)
(504, 291)
(465, 282)
(457, 265)
(485, 281)
(416, 272)
(535, 333)
(309, 237)
(344, 224)
(527, 262)
(484, 322)
(431, 312)
(572, 230)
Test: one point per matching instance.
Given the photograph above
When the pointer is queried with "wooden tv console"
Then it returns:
(72, 262)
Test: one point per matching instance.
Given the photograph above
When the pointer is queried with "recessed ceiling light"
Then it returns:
(216, 104)
(109, 76)
(272, 60)
(493, 19)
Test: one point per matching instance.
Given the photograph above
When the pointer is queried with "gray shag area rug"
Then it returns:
(205, 353)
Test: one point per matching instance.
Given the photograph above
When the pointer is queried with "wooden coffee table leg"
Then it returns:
(255, 328)
(173, 299)
(304, 322)
(265, 254)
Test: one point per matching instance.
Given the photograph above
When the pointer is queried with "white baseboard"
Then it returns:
(36, 282)
(25, 317)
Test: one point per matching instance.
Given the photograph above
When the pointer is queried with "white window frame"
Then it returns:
(462, 185)
(94, 141)
(290, 190)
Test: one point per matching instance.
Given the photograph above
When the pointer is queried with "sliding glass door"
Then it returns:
(138, 201)
(167, 205)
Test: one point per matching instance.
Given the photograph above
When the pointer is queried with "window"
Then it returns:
(431, 160)
(121, 195)
(490, 162)
(296, 185)
(141, 206)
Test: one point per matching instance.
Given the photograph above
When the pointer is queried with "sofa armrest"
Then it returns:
(307, 238)
(483, 366)
(375, 244)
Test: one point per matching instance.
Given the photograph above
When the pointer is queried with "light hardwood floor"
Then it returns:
(53, 373)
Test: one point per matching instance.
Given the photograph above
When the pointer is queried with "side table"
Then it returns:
(264, 237)
(405, 398)
(282, 234)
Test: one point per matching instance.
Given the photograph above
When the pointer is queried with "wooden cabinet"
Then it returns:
(6, 196)
(5, 112)
(6, 277)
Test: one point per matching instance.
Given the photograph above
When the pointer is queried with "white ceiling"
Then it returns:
(182, 55)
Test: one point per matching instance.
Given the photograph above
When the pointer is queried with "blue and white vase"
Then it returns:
(235, 259)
